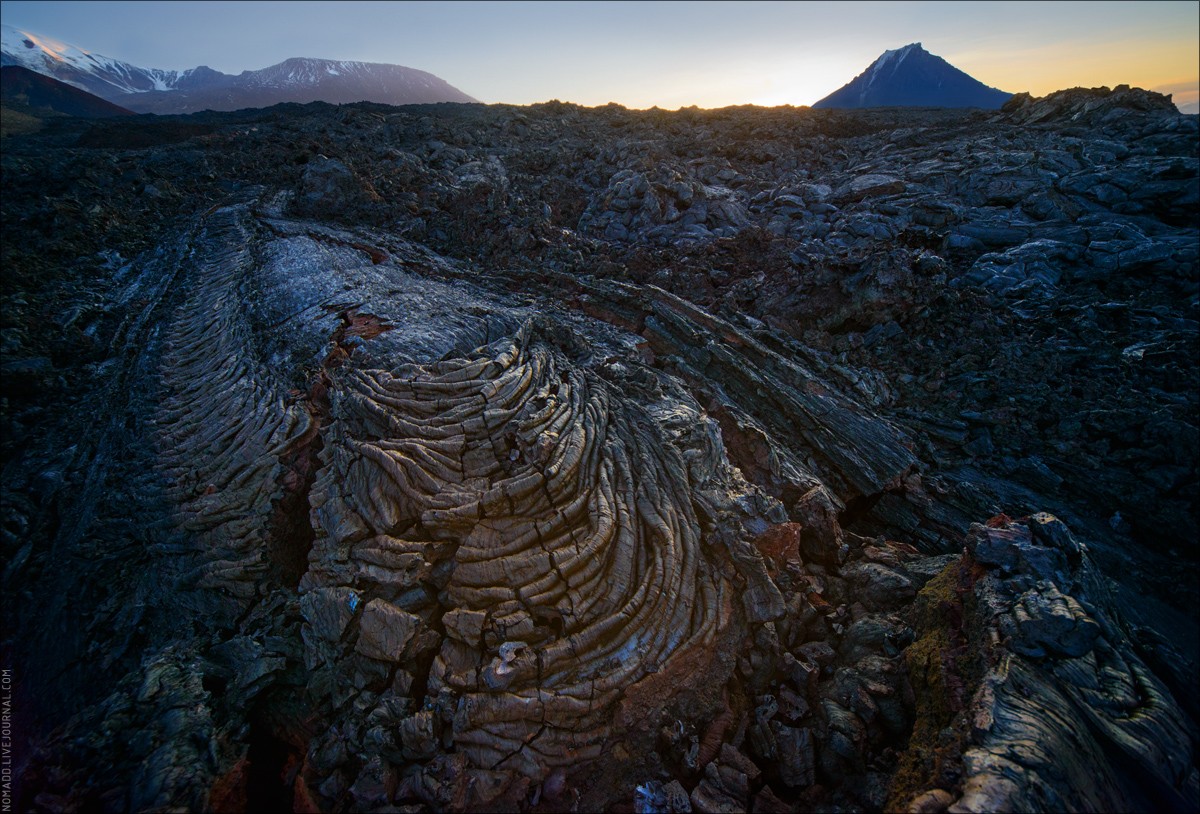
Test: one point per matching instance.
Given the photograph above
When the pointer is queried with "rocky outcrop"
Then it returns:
(1066, 689)
(1095, 107)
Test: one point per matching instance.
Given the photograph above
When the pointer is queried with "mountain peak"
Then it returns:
(913, 77)
(912, 46)
(897, 55)
(17, 40)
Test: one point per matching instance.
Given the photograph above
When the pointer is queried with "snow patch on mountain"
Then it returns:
(875, 70)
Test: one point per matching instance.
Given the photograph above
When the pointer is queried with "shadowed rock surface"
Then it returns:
(24, 90)
(463, 458)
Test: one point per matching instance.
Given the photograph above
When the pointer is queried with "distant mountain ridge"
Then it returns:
(913, 77)
(38, 94)
(150, 90)
(300, 80)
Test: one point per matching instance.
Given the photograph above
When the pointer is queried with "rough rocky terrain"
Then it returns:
(466, 458)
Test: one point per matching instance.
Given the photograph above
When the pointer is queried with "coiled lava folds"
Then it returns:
(511, 506)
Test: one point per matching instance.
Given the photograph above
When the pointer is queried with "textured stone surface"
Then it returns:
(1031, 747)
(473, 459)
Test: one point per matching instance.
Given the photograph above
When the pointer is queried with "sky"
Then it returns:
(645, 54)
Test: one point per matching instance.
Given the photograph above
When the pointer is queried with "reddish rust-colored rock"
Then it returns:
(780, 545)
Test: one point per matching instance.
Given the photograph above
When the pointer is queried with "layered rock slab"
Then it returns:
(1067, 713)
(222, 426)
(517, 504)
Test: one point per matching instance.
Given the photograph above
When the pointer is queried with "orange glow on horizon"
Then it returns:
(802, 79)
(1044, 69)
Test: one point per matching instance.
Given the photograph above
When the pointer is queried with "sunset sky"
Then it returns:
(669, 54)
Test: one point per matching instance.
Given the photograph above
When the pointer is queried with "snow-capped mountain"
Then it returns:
(100, 75)
(913, 77)
(301, 80)
(150, 90)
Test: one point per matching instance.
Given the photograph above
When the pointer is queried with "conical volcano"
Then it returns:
(913, 77)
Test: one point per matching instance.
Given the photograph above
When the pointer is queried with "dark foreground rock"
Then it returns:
(548, 459)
